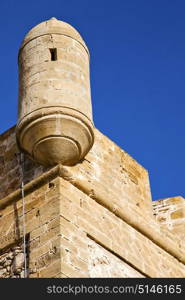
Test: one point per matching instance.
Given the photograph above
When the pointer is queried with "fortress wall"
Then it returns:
(106, 166)
(10, 169)
(42, 207)
(116, 235)
(170, 214)
(56, 247)
(79, 220)
(69, 234)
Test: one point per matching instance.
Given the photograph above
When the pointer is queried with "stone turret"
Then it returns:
(94, 219)
(55, 114)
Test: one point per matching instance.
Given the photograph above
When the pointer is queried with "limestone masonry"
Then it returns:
(88, 206)
(54, 95)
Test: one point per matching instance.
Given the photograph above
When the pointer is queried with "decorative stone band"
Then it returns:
(52, 135)
(162, 238)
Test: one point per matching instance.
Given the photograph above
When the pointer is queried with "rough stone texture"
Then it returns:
(55, 114)
(12, 262)
(102, 263)
(10, 169)
(42, 206)
(107, 169)
(170, 213)
(116, 235)
(92, 219)
(75, 221)
(57, 246)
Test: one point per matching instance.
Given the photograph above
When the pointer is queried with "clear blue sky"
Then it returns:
(137, 75)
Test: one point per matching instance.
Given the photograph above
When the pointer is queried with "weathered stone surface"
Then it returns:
(63, 222)
(170, 214)
(102, 263)
(55, 115)
(18, 262)
(2, 273)
(105, 166)
(12, 263)
(94, 219)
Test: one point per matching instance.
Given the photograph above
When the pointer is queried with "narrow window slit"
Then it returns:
(53, 52)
